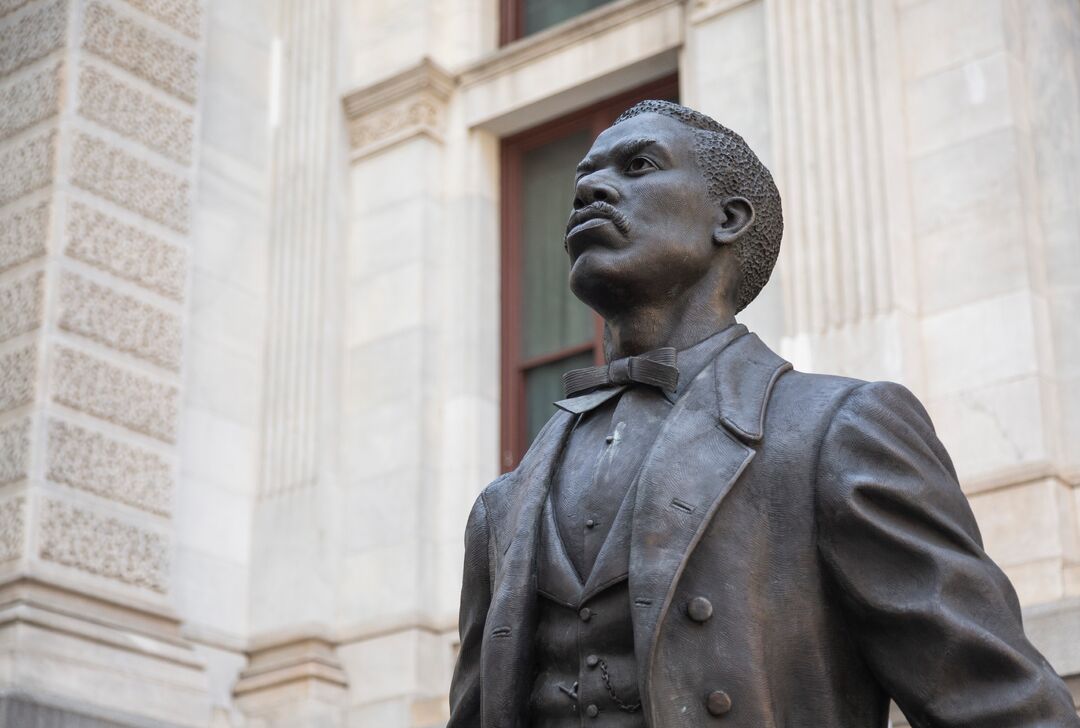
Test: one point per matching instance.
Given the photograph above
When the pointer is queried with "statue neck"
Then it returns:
(680, 324)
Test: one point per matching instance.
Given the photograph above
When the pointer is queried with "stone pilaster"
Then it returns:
(846, 270)
(297, 521)
(98, 109)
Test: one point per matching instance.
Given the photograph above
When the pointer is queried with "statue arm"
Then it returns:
(937, 621)
(465, 687)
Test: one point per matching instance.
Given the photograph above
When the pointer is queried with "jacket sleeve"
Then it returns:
(466, 685)
(936, 620)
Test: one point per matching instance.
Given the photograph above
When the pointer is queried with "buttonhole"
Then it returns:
(682, 505)
(500, 632)
(642, 602)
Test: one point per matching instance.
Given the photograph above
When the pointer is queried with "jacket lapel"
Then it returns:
(697, 458)
(506, 654)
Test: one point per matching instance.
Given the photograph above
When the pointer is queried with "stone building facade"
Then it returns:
(254, 284)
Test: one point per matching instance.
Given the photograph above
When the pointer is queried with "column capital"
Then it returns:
(404, 105)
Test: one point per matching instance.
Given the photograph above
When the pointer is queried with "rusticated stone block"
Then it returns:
(141, 51)
(12, 528)
(103, 546)
(106, 243)
(8, 6)
(32, 36)
(95, 463)
(23, 235)
(14, 450)
(130, 182)
(116, 395)
(136, 115)
(118, 321)
(21, 305)
(27, 166)
(30, 99)
(184, 15)
(19, 369)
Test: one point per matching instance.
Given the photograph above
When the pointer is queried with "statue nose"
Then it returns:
(593, 188)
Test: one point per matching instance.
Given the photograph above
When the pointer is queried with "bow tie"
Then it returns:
(655, 368)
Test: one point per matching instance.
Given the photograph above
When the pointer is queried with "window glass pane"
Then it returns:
(543, 385)
(540, 14)
(552, 318)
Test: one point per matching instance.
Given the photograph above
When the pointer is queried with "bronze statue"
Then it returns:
(702, 534)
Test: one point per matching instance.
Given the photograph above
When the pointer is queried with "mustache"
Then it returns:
(598, 209)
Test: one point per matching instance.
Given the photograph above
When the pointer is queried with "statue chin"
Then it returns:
(602, 286)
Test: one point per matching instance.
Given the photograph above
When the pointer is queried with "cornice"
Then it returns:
(407, 104)
(530, 48)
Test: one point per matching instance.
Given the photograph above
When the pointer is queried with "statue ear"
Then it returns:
(733, 217)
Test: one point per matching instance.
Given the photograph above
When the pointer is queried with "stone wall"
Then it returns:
(97, 133)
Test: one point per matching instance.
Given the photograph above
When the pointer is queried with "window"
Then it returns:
(545, 329)
(520, 18)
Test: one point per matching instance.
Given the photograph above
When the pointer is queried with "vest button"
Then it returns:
(718, 702)
(590, 523)
(585, 614)
(699, 609)
(592, 711)
(592, 660)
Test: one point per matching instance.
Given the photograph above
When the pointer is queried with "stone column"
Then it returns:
(293, 678)
(98, 110)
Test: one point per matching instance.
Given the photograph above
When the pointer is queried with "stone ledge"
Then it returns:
(300, 659)
(96, 613)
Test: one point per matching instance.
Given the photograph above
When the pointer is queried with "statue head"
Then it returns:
(668, 202)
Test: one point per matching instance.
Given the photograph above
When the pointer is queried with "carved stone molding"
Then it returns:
(407, 104)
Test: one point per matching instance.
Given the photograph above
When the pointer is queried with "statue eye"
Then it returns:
(640, 164)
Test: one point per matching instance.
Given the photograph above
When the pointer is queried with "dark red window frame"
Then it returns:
(595, 119)
(511, 21)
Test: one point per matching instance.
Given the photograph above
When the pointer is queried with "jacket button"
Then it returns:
(700, 609)
(585, 614)
(718, 702)
(592, 660)
(592, 711)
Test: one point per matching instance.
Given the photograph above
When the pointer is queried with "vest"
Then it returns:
(585, 673)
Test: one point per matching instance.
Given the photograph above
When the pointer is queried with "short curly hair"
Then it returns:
(732, 169)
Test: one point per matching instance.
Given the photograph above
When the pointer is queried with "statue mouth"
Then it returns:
(590, 223)
(595, 215)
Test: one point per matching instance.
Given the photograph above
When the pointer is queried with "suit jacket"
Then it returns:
(822, 520)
